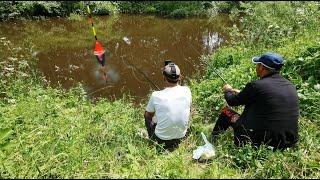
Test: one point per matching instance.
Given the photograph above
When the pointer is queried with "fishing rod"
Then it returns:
(214, 70)
(219, 76)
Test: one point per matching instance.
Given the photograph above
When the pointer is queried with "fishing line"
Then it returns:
(174, 30)
(144, 75)
(133, 72)
(99, 90)
(131, 68)
(135, 76)
(138, 70)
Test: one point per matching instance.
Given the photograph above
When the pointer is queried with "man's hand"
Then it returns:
(227, 87)
(236, 91)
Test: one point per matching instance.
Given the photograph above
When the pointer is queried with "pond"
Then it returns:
(136, 48)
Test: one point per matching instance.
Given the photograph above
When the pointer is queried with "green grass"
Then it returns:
(54, 133)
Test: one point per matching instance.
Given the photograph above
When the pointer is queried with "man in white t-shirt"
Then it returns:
(167, 113)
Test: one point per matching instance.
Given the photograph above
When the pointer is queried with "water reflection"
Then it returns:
(136, 47)
(211, 41)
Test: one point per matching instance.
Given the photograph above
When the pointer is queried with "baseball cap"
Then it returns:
(269, 60)
(171, 71)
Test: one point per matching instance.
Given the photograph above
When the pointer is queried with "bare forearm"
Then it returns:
(148, 115)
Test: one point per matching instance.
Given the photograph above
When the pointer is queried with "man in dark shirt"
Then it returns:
(271, 108)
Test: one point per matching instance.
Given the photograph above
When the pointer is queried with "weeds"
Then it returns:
(55, 133)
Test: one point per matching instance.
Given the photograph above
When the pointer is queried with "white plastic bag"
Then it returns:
(204, 152)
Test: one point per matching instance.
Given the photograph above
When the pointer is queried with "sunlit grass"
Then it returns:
(56, 133)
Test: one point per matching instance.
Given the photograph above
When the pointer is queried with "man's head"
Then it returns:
(171, 73)
(268, 63)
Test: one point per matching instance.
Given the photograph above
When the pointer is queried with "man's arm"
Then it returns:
(235, 97)
(150, 109)
(148, 115)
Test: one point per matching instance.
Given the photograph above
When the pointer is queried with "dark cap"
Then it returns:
(171, 71)
(269, 60)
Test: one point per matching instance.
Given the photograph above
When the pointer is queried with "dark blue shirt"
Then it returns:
(271, 110)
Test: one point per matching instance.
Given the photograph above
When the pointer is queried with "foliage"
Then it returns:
(8, 10)
(55, 133)
(265, 24)
(178, 9)
(40, 8)
(105, 8)
(307, 65)
(168, 8)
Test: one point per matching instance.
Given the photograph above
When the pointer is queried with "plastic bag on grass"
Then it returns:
(204, 152)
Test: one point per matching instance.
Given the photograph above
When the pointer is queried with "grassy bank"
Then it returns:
(53, 133)
(289, 29)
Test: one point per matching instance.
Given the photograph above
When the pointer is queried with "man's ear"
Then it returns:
(164, 79)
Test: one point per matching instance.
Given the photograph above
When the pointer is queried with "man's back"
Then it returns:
(172, 111)
(272, 111)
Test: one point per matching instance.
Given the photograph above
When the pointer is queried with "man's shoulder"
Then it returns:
(271, 79)
(179, 89)
(159, 93)
(185, 88)
(155, 93)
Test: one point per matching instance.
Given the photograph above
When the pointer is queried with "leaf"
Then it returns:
(5, 133)
(131, 148)
(6, 145)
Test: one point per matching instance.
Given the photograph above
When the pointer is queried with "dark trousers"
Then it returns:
(241, 136)
(168, 144)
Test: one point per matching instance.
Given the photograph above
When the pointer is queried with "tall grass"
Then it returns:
(289, 28)
(54, 133)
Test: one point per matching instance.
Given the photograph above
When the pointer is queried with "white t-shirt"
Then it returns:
(172, 111)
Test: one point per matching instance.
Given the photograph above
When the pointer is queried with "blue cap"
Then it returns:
(269, 60)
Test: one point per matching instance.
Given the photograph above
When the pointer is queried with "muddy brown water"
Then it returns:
(136, 48)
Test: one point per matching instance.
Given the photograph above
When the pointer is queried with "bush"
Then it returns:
(307, 65)
(105, 8)
(176, 9)
(8, 10)
(266, 24)
(40, 8)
